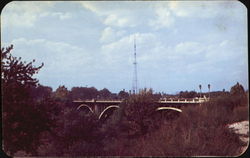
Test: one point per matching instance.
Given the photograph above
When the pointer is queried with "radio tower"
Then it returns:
(134, 88)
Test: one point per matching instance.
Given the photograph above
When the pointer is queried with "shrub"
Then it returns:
(199, 131)
(194, 133)
(138, 113)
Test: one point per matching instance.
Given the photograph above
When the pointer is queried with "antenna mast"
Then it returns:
(135, 69)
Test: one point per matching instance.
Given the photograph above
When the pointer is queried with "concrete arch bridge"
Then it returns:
(105, 108)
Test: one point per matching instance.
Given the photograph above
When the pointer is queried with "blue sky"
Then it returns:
(179, 44)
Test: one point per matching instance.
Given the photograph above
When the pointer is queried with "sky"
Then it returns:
(179, 44)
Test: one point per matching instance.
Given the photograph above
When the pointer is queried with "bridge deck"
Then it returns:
(98, 101)
(165, 101)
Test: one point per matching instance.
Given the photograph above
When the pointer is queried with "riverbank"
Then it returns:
(242, 129)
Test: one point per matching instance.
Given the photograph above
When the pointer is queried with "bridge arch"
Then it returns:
(168, 108)
(85, 106)
(111, 107)
(167, 113)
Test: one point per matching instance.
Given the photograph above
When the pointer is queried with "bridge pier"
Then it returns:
(96, 109)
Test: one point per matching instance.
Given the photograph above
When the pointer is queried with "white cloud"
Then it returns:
(121, 51)
(188, 57)
(114, 20)
(153, 53)
(115, 14)
(204, 9)
(159, 14)
(181, 8)
(60, 15)
(31, 6)
(189, 48)
(58, 57)
(22, 13)
(109, 35)
(25, 14)
(15, 19)
(220, 52)
(224, 43)
(167, 12)
(92, 6)
(164, 18)
(142, 39)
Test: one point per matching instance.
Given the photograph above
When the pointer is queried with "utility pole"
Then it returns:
(134, 87)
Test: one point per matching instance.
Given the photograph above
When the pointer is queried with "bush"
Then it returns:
(132, 120)
(137, 112)
(77, 133)
(198, 131)
(240, 114)
(135, 129)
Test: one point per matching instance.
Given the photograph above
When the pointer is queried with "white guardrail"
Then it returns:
(162, 100)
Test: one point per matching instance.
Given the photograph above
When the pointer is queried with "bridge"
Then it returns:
(180, 102)
(103, 108)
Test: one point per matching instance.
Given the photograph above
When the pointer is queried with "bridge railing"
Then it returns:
(161, 100)
(187, 100)
(97, 100)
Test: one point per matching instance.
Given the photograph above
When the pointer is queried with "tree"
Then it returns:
(41, 92)
(238, 95)
(122, 94)
(76, 132)
(157, 95)
(137, 112)
(187, 94)
(237, 89)
(23, 120)
(104, 93)
(83, 93)
(61, 93)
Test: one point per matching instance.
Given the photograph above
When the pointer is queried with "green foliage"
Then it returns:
(237, 90)
(182, 139)
(104, 93)
(77, 133)
(61, 93)
(137, 114)
(236, 98)
(15, 72)
(23, 119)
(186, 94)
(122, 94)
(41, 92)
(83, 93)
(199, 130)
(157, 96)
(240, 96)
(216, 94)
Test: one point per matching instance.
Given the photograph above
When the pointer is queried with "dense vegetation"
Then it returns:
(39, 121)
